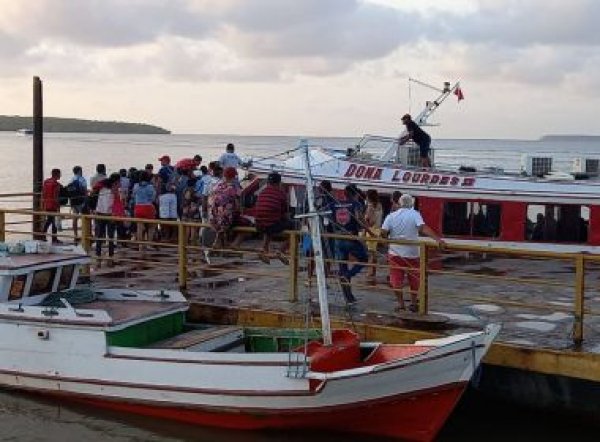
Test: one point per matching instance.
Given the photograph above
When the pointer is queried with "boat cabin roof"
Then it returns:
(41, 287)
(27, 278)
(19, 264)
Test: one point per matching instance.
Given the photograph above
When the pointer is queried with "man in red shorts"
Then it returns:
(406, 223)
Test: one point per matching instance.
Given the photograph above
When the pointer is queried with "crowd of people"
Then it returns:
(211, 195)
(186, 191)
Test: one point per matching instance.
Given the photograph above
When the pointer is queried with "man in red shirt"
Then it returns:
(272, 216)
(50, 202)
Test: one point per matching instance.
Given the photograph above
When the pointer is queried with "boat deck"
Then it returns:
(123, 312)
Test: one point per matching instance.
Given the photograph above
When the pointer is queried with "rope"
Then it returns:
(285, 152)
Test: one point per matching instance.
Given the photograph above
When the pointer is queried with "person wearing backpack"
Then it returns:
(77, 191)
(347, 220)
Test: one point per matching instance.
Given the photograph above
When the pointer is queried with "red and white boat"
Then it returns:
(537, 204)
(132, 351)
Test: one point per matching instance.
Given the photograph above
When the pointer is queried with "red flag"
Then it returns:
(459, 94)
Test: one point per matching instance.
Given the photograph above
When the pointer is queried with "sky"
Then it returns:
(307, 67)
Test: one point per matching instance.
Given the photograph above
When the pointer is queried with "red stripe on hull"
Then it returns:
(417, 417)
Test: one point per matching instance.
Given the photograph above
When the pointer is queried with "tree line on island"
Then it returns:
(54, 124)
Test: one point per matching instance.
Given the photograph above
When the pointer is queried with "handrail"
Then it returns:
(426, 246)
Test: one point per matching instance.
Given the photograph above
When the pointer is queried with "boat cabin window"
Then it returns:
(469, 218)
(557, 223)
(17, 287)
(66, 276)
(42, 282)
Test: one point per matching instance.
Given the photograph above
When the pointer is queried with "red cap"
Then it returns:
(165, 157)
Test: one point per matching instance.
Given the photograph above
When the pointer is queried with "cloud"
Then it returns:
(102, 23)
(527, 41)
(521, 23)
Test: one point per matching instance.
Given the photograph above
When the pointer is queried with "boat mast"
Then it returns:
(315, 230)
(431, 106)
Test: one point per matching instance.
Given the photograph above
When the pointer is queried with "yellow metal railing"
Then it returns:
(186, 250)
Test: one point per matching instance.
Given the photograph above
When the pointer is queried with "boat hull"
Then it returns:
(392, 392)
(417, 416)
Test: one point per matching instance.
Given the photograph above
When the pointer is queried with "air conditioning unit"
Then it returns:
(410, 155)
(589, 166)
(536, 166)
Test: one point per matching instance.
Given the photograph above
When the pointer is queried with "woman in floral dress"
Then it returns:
(224, 205)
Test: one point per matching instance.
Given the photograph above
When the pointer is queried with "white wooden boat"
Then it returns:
(132, 351)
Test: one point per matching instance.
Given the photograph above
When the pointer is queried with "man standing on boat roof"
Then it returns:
(419, 136)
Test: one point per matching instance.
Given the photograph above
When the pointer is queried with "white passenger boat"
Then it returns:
(536, 204)
(133, 351)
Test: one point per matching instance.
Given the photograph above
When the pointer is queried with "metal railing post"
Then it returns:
(2, 226)
(579, 299)
(293, 266)
(86, 242)
(182, 256)
(423, 280)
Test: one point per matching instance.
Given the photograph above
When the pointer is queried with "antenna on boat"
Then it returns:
(431, 106)
(315, 230)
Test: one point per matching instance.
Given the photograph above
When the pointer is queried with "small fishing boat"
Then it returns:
(24, 132)
(133, 351)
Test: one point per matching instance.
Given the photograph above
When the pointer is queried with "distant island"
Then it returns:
(53, 124)
(570, 138)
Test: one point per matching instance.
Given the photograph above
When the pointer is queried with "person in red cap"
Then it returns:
(166, 170)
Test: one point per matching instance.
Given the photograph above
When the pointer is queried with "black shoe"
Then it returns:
(347, 290)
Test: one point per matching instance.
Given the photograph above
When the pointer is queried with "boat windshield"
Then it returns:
(375, 147)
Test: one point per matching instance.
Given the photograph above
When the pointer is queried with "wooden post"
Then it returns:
(579, 299)
(182, 256)
(86, 242)
(423, 280)
(2, 226)
(38, 154)
(294, 267)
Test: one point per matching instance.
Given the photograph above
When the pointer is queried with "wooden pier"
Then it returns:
(547, 300)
